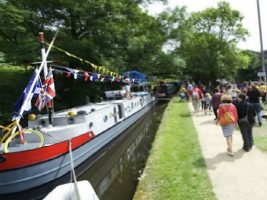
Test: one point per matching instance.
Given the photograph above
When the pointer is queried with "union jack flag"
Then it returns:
(47, 93)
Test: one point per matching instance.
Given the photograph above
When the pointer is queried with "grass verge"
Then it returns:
(175, 168)
(261, 142)
(260, 134)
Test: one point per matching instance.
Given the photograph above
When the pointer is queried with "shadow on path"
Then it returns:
(200, 163)
(223, 157)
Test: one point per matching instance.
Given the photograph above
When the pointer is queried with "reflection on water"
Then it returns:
(115, 174)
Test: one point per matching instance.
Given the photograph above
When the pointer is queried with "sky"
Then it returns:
(248, 8)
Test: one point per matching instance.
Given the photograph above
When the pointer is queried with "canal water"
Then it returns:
(115, 174)
(114, 171)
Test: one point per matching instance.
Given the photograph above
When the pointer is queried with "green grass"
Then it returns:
(175, 168)
(260, 134)
(261, 142)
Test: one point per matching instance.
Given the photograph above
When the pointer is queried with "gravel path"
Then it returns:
(242, 177)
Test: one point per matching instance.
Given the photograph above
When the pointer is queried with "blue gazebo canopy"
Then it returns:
(137, 76)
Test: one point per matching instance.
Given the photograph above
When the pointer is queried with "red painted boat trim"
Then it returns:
(25, 158)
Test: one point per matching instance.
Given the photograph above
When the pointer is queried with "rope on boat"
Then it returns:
(6, 130)
(25, 131)
(73, 172)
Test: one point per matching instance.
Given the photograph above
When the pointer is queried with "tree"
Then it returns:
(113, 33)
(249, 71)
(16, 41)
(208, 43)
(168, 62)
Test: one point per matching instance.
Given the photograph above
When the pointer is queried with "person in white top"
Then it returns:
(127, 88)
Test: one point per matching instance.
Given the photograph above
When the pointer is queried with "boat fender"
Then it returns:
(67, 191)
(71, 114)
(31, 117)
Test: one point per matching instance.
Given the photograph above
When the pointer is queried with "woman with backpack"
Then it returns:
(227, 118)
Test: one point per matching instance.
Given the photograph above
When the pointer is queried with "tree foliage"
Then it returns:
(249, 71)
(170, 62)
(208, 43)
(114, 33)
(119, 35)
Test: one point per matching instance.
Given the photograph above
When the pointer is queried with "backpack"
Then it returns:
(226, 118)
(195, 95)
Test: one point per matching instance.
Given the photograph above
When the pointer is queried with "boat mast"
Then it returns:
(41, 38)
(39, 69)
(49, 109)
(261, 43)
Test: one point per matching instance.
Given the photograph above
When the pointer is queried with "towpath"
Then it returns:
(242, 177)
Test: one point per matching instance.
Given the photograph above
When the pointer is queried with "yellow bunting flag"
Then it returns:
(85, 61)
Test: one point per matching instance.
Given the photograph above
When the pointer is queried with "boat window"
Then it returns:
(120, 111)
(115, 114)
(91, 124)
(105, 118)
(141, 101)
(132, 105)
(81, 112)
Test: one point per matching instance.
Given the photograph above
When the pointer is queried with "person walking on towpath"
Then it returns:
(246, 119)
(253, 98)
(263, 91)
(216, 101)
(197, 95)
(241, 177)
(207, 105)
(227, 118)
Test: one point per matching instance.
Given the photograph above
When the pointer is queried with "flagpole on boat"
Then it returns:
(38, 71)
(49, 108)
(41, 39)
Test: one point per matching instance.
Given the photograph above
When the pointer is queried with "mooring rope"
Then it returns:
(73, 172)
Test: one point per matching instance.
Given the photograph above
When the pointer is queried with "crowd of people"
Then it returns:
(233, 104)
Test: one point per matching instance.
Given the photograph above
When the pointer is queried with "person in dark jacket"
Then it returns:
(216, 101)
(246, 120)
(254, 98)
